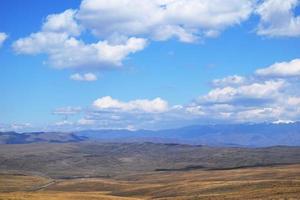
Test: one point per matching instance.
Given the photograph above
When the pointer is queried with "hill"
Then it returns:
(85, 159)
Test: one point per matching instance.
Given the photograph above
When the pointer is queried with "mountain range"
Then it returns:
(239, 135)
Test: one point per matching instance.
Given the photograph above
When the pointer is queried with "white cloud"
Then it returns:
(278, 19)
(267, 89)
(282, 69)
(293, 101)
(3, 37)
(259, 114)
(64, 123)
(62, 23)
(83, 77)
(58, 40)
(41, 42)
(195, 110)
(269, 99)
(68, 52)
(232, 99)
(160, 19)
(124, 25)
(156, 105)
(221, 94)
(280, 121)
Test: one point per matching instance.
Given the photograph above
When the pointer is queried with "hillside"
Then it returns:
(270, 183)
(113, 159)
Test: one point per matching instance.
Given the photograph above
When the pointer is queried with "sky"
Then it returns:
(147, 64)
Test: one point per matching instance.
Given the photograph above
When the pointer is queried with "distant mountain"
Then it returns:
(249, 135)
(35, 137)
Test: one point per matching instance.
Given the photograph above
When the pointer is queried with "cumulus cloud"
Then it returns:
(186, 20)
(232, 99)
(258, 114)
(156, 105)
(62, 23)
(270, 98)
(195, 110)
(83, 77)
(262, 90)
(123, 27)
(3, 37)
(281, 69)
(58, 38)
(255, 99)
(278, 18)
(68, 52)
(228, 104)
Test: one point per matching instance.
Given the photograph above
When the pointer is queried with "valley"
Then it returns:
(91, 170)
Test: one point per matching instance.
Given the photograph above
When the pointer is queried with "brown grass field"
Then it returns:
(278, 182)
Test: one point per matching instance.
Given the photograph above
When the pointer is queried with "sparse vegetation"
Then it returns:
(78, 160)
(281, 182)
(89, 171)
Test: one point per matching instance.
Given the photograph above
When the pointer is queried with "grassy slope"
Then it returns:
(249, 183)
(110, 160)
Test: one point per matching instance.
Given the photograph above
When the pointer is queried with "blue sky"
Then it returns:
(68, 65)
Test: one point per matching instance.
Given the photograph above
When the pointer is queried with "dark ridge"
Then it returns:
(196, 167)
(187, 168)
(251, 166)
(171, 144)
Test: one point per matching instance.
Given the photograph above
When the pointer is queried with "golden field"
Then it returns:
(278, 182)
